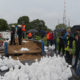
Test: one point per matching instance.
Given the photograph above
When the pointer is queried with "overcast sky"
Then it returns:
(51, 11)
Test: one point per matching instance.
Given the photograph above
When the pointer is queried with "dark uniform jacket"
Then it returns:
(19, 31)
(12, 31)
(77, 44)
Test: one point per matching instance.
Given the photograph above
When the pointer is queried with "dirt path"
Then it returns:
(33, 50)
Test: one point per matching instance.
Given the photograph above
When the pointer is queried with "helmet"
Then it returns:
(13, 25)
(19, 26)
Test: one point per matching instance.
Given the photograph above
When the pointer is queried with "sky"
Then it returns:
(51, 11)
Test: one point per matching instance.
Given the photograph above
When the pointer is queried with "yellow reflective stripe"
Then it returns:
(68, 42)
(67, 48)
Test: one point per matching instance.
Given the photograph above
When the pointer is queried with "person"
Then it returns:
(55, 40)
(77, 50)
(69, 49)
(42, 47)
(68, 31)
(43, 33)
(61, 44)
(6, 47)
(29, 35)
(19, 32)
(23, 30)
(51, 38)
(34, 36)
(16, 31)
(1, 41)
(78, 71)
(48, 38)
(12, 35)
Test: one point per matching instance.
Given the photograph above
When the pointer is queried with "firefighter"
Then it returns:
(51, 38)
(69, 49)
(77, 50)
(29, 35)
(19, 32)
(48, 39)
(61, 44)
(23, 31)
(12, 35)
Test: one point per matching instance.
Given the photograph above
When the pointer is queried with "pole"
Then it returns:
(64, 13)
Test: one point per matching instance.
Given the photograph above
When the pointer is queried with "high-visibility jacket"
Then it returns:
(48, 36)
(70, 46)
(23, 28)
(29, 35)
(51, 36)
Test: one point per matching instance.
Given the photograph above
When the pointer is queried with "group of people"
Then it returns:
(17, 31)
(67, 45)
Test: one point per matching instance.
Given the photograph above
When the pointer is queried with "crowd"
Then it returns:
(19, 31)
(66, 44)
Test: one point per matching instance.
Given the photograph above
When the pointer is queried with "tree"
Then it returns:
(35, 24)
(61, 26)
(12, 24)
(23, 20)
(3, 25)
(38, 24)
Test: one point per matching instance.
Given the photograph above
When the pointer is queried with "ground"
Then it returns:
(29, 50)
(30, 59)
